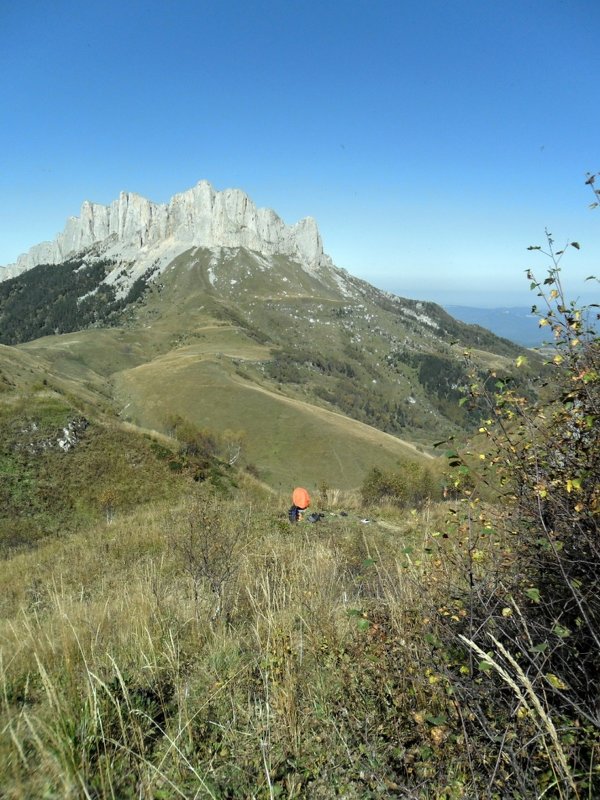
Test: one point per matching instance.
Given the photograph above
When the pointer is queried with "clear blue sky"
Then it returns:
(433, 140)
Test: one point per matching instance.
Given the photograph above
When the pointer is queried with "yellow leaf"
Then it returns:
(555, 681)
(553, 294)
(543, 322)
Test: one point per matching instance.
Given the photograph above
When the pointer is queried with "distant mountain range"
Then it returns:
(210, 310)
(515, 323)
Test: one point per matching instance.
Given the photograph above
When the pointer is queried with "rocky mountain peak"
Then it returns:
(133, 228)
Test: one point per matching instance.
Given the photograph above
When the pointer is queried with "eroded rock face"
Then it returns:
(133, 226)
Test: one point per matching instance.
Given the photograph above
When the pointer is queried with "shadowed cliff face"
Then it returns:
(132, 227)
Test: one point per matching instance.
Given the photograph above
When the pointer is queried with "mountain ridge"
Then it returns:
(132, 227)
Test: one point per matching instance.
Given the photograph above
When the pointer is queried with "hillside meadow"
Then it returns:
(208, 648)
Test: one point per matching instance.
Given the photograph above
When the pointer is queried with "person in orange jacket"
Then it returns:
(300, 502)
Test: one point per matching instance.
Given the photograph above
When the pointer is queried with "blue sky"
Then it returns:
(433, 140)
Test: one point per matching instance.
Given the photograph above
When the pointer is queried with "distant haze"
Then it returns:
(481, 299)
(516, 324)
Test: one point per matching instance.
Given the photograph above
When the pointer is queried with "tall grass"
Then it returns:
(117, 678)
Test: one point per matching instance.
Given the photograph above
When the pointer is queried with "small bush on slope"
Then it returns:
(411, 486)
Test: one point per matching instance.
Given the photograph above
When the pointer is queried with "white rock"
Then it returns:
(137, 229)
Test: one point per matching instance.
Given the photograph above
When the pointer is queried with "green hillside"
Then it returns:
(287, 440)
(320, 375)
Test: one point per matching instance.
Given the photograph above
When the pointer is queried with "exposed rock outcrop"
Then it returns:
(133, 228)
(65, 439)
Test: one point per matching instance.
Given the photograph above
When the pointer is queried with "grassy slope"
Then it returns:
(313, 673)
(201, 345)
(183, 354)
(47, 491)
(288, 440)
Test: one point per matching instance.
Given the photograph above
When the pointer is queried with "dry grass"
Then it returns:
(116, 680)
(212, 650)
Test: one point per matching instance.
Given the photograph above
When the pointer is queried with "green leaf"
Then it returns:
(533, 594)
(539, 648)
(362, 624)
(440, 719)
(484, 666)
(576, 245)
(560, 631)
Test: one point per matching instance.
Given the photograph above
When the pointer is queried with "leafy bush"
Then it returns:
(411, 486)
(534, 614)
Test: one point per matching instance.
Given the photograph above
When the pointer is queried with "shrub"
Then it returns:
(534, 617)
(411, 486)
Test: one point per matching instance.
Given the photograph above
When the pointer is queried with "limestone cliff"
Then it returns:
(138, 230)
